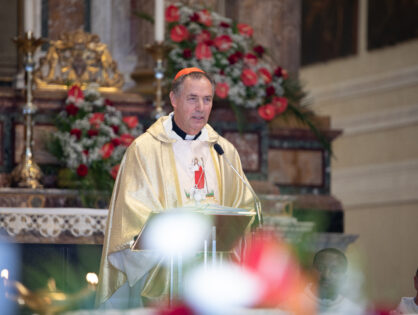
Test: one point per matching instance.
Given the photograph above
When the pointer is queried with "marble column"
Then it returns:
(277, 26)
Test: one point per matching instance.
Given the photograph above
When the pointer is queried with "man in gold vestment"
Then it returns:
(157, 173)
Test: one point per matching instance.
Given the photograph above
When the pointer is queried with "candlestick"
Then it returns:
(27, 173)
(159, 21)
(158, 50)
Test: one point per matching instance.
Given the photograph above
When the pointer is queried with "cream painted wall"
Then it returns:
(373, 98)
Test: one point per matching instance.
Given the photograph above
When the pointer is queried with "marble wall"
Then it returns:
(372, 96)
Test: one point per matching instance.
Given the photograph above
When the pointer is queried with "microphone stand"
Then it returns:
(257, 203)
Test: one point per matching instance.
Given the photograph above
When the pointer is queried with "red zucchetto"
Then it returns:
(185, 71)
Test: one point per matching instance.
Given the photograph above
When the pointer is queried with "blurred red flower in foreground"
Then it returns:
(283, 283)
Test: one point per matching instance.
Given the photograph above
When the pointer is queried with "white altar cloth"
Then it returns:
(51, 222)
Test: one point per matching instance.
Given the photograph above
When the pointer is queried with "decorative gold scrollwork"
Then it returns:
(78, 58)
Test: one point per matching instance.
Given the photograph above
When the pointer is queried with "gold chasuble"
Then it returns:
(148, 182)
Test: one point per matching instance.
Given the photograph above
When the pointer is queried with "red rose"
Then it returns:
(210, 42)
(245, 29)
(71, 109)
(130, 121)
(179, 33)
(92, 133)
(284, 73)
(265, 74)
(187, 53)
(205, 18)
(248, 77)
(115, 129)
(280, 103)
(107, 150)
(194, 17)
(116, 142)
(126, 139)
(114, 171)
(172, 13)
(222, 90)
(75, 94)
(259, 50)
(223, 42)
(76, 132)
(203, 37)
(82, 170)
(96, 119)
(108, 102)
(203, 51)
(267, 112)
(250, 59)
(280, 72)
(224, 25)
(86, 152)
(235, 57)
(270, 90)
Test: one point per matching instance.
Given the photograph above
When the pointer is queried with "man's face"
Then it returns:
(330, 267)
(193, 105)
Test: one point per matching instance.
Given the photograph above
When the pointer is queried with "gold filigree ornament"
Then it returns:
(48, 301)
(78, 58)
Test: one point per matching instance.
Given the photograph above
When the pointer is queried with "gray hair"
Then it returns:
(177, 85)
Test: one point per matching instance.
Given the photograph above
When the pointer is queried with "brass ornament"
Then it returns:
(27, 173)
(158, 51)
(47, 301)
(78, 58)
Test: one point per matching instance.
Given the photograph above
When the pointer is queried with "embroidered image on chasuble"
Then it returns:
(160, 172)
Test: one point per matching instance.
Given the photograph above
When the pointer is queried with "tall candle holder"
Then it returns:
(158, 51)
(27, 173)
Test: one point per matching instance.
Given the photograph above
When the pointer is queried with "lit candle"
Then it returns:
(159, 20)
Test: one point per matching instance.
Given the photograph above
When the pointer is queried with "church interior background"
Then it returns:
(358, 61)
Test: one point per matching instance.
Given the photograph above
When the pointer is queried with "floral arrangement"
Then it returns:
(225, 49)
(91, 139)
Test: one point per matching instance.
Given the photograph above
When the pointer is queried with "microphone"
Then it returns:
(257, 202)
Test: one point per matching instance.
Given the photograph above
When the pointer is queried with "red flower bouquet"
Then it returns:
(227, 50)
(92, 138)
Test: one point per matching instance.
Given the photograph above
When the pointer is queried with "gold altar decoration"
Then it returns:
(46, 301)
(78, 58)
(158, 51)
(27, 173)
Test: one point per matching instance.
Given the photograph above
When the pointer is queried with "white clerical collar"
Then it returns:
(168, 126)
